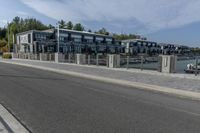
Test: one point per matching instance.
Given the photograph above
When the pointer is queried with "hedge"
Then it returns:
(7, 56)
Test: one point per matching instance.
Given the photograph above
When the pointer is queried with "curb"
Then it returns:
(12, 125)
(165, 90)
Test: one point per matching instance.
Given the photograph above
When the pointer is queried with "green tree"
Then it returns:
(103, 31)
(69, 25)
(3, 33)
(50, 26)
(196, 51)
(126, 36)
(3, 43)
(62, 23)
(78, 27)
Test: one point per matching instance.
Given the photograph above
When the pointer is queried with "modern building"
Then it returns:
(70, 41)
(169, 49)
(139, 46)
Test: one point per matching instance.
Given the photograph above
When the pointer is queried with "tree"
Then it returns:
(89, 30)
(3, 43)
(62, 23)
(196, 51)
(78, 27)
(103, 31)
(69, 25)
(3, 33)
(125, 36)
(50, 26)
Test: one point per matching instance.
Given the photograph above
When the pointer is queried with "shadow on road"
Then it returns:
(29, 77)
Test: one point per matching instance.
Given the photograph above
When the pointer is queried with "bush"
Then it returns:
(7, 56)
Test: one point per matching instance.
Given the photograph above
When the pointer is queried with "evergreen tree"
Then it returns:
(69, 25)
(62, 24)
(78, 27)
(103, 31)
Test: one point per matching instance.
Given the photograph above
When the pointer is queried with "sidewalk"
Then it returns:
(182, 82)
(8, 124)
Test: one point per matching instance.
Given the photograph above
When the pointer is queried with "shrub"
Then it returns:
(7, 56)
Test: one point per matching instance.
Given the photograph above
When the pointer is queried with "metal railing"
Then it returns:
(129, 62)
(139, 62)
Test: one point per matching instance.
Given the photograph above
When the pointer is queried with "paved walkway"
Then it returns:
(175, 81)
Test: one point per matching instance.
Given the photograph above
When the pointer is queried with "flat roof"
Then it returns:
(30, 31)
(85, 32)
(134, 40)
(71, 31)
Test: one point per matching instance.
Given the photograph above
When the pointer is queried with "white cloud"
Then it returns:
(153, 15)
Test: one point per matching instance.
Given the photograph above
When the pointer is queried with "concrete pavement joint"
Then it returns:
(165, 90)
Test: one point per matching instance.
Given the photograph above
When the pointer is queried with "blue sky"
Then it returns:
(172, 21)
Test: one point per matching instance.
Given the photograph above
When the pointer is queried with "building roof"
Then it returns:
(31, 31)
(71, 31)
(135, 40)
(82, 32)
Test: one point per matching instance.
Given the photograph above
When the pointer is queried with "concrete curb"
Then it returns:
(165, 90)
(13, 125)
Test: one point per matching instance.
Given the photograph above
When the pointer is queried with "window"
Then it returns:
(29, 38)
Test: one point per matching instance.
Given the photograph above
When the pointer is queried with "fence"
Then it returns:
(129, 62)
(188, 65)
(98, 60)
(140, 62)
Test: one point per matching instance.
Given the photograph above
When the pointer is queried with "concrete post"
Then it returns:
(113, 61)
(168, 63)
(14, 55)
(81, 59)
(43, 57)
(88, 60)
(36, 57)
(69, 58)
(59, 57)
(97, 59)
(29, 56)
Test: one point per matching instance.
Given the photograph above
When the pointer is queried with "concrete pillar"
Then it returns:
(167, 63)
(14, 55)
(88, 59)
(29, 56)
(81, 59)
(43, 57)
(59, 57)
(113, 61)
(97, 59)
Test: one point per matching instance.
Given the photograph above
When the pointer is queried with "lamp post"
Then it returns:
(58, 38)
(8, 36)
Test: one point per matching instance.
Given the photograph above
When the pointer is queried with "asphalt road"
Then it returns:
(47, 102)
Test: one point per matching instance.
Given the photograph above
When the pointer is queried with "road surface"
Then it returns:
(47, 102)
